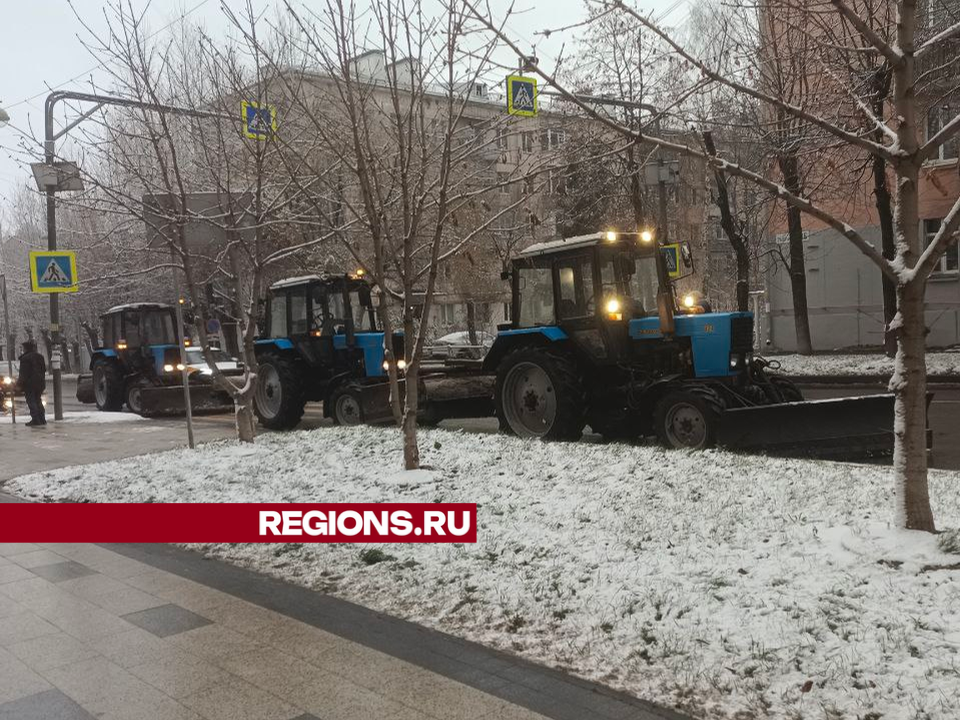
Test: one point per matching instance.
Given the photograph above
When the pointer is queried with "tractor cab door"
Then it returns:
(581, 303)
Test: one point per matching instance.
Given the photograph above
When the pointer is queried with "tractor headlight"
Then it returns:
(8, 403)
(613, 309)
(689, 300)
(181, 367)
(43, 400)
(7, 380)
(168, 368)
(401, 364)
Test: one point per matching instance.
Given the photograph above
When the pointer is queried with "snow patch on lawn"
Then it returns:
(93, 417)
(939, 363)
(729, 586)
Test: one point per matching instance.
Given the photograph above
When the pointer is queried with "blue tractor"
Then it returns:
(320, 342)
(597, 338)
(138, 364)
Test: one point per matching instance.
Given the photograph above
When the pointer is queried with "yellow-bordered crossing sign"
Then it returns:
(259, 121)
(522, 96)
(53, 271)
(671, 257)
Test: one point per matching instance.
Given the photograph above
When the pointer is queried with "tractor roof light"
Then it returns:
(122, 345)
(610, 236)
(186, 343)
(646, 236)
(613, 310)
(689, 300)
(360, 272)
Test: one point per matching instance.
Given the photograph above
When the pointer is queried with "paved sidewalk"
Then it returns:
(109, 632)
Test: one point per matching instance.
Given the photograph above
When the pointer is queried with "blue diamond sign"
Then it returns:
(522, 96)
(53, 272)
(259, 121)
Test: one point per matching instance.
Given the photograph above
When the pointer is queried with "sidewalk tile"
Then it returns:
(11, 572)
(63, 572)
(9, 607)
(436, 695)
(82, 619)
(278, 672)
(134, 647)
(104, 687)
(214, 642)
(166, 620)
(46, 705)
(17, 680)
(236, 700)
(37, 558)
(50, 651)
(24, 626)
(26, 588)
(126, 601)
(10, 549)
(180, 675)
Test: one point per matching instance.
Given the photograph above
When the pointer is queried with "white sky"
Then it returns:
(41, 50)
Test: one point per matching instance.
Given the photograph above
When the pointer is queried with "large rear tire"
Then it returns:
(345, 407)
(279, 400)
(688, 418)
(539, 394)
(107, 385)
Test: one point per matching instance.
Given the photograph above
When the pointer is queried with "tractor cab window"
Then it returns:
(576, 288)
(640, 280)
(278, 315)
(109, 332)
(536, 297)
(337, 318)
(362, 315)
(157, 328)
(131, 328)
(299, 324)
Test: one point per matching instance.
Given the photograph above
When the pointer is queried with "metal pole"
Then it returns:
(48, 147)
(185, 374)
(6, 342)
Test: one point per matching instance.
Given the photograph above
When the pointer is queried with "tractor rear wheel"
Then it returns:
(787, 388)
(345, 407)
(279, 399)
(688, 418)
(107, 385)
(539, 394)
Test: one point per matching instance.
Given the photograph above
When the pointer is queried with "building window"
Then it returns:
(503, 183)
(526, 140)
(502, 138)
(937, 117)
(558, 182)
(950, 261)
(552, 139)
(448, 314)
(528, 186)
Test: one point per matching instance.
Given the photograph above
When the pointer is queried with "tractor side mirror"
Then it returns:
(686, 254)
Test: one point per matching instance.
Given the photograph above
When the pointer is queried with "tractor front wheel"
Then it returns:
(279, 401)
(787, 388)
(688, 418)
(135, 397)
(107, 385)
(539, 394)
(345, 405)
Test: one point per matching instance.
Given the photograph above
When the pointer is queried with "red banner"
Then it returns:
(239, 522)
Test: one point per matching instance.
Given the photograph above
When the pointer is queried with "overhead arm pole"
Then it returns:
(49, 148)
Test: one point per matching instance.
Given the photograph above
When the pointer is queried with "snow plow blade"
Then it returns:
(833, 428)
(168, 400)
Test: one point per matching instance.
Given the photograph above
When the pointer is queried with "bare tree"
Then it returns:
(905, 153)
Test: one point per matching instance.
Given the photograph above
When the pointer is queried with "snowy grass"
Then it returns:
(729, 586)
(938, 363)
(85, 417)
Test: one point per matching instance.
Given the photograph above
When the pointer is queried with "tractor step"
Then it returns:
(835, 428)
(168, 400)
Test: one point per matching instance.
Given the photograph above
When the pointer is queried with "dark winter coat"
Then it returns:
(33, 372)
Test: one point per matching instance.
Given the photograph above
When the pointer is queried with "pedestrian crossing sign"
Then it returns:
(522, 96)
(671, 258)
(53, 272)
(259, 121)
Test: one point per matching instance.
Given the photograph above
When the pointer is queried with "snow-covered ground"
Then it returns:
(938, 363)
(730, 586)
(83, 416)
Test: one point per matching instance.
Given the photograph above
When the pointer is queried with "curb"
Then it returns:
(943, 381)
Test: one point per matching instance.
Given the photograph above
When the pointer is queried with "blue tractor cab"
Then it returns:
(597, 338)
(320, 341)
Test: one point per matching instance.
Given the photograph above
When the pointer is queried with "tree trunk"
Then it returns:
(472, 323)
(881, 192)
(909, 383)
(789, 167)
(246, 420)
(411, 452)
(730, 229)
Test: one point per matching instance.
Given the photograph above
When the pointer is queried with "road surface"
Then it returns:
(85, 438)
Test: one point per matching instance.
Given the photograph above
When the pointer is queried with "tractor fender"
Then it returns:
(102, 353)
(281, 345)
(509, 340)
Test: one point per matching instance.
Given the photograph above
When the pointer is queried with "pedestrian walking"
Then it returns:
(32, 381)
